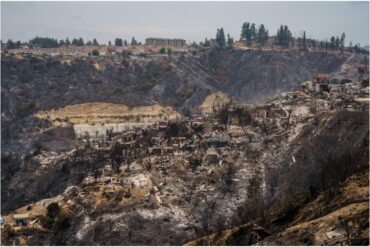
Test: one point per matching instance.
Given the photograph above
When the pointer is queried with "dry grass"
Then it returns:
(99, 112)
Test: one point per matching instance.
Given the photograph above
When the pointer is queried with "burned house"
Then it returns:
(338, 87)
(320, 82)
(218, 141)
(176, 141)
(162, 125)
(21, 219)
(322, 78)
(218, 127)
(156, 151)
(306, 86)
(90, 179)
(197, 126)
(211, 156)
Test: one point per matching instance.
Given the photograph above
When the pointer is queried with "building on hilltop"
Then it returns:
(159, 42)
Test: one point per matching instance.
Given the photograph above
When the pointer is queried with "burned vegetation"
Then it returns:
(221, 173)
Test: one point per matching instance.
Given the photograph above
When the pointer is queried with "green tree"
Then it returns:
(342, 41)
(304, 44)
(207, 43)
(283, 36)
(80, 42)
(262, 35)
(169, 51)
(118, 42)
(253, 32)
(133, 41)
(246, 32)
(332, 43)
(95, 53)
(53, 209)
(220, 37)
(337, 43)
(230, 41)
(10, 44)
(162, 50)
(44, 42)
(125, 43)
(67, 41)
(95, 42)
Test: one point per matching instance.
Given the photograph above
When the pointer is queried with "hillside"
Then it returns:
(33, 83)
(332, 212)
(106, 151)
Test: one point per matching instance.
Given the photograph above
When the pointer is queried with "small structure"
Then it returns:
(180, 141)
(218, 127)
(212, 156)
(162, 125)
(21, 219)
(107, 170)
(156, 151)
(322, 78)
(306, 86)
(111, 50)
(254, 149)
(218, 141)
(90, 179)
(160, 42)
(337, 240)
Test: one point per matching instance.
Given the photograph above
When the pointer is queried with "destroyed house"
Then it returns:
(156, 151)
(322, 78)
(111, 50)
(162, 125)
(176, 140)
(305, 86)
(218, 141)
(275, 112)
(218, 127)
(197, 124)
(21, 219)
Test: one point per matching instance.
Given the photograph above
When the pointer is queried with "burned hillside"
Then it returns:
(135, 150)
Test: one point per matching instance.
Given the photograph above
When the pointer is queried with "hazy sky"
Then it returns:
(192, 21)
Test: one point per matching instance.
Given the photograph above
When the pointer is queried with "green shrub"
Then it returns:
(95, 53)
(62, 221)
(53, 209)
(46, 222)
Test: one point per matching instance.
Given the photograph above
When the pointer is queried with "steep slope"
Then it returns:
(253, 75)
(344, 208)
(40, 83)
